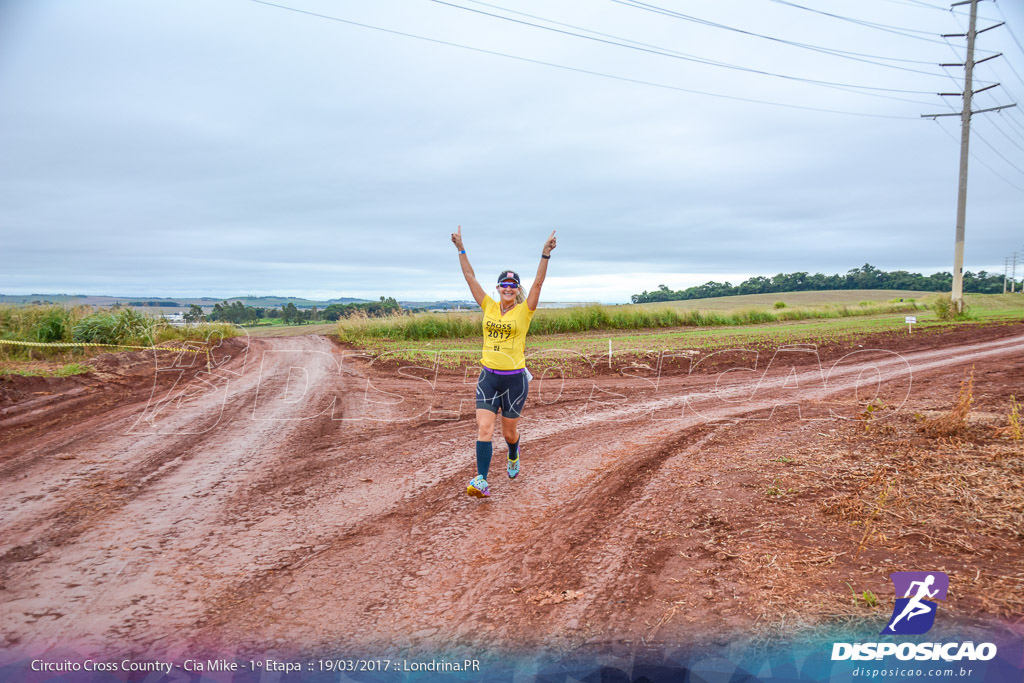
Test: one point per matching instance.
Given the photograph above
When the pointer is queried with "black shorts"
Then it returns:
(507, 392)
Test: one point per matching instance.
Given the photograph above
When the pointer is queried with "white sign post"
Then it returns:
(910, 320)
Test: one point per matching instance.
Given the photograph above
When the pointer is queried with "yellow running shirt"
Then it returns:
(505, 335)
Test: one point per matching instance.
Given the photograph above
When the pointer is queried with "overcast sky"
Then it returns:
(228, 147)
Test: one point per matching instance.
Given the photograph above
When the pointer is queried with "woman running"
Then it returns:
(504, 381)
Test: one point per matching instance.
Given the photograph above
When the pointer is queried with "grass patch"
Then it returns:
(832, 297)
(65, 370)
(844, 331)
(945, 310)
(842, 325)
(431, 326)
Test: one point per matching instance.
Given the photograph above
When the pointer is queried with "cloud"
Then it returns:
(215, 149)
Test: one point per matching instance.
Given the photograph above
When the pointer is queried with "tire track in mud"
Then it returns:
(317, 532)
(134, 462)
(394, 552)
(148, 504)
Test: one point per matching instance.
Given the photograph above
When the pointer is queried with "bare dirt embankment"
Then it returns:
(302, 498)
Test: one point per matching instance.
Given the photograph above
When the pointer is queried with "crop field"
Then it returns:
(850, 297)
(829, 328)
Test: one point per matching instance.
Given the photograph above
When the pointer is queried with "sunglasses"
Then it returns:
(508, 285)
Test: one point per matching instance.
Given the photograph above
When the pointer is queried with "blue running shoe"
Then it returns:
(478, 487)
(513, 465)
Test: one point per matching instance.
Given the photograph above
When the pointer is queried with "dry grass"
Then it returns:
(952, 502)
(869, 523)
(953, 423)
(1012, 428)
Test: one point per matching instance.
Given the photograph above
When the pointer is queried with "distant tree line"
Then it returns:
(168, 304)
(372, 309)
(865, 277)
(290, 314)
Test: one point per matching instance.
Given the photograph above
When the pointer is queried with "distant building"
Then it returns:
(175, 319)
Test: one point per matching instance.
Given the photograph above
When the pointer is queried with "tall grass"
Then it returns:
(39, 323)
(125, 326)
(946, 310)
(427, 326)
(83, 324)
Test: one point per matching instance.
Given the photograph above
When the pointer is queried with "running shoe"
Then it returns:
(478, 487)
(513, 465)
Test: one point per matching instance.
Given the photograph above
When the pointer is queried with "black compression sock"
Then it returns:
(484, 449)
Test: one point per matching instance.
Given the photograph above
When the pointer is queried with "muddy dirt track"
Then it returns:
(303, 498)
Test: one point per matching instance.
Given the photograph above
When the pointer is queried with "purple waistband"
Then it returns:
(504, 372)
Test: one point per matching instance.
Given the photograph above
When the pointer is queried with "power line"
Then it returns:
(906, 32)
(1008, 29)
(980, 160)
(965, 137)
(1004, 61)
(852, 20)
(1014, 124)
(947, 10)
(999, 154)
(688, 58)
(580, 28)
(1005, 134)
(816, 48)
(1010, 112)
(952, 108)
(589, 72)
(913, 3)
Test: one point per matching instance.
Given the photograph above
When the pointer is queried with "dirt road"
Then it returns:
(301, 498)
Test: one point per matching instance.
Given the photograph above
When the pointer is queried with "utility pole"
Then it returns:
(965, 139)
(1006, 269)
(1013, 276)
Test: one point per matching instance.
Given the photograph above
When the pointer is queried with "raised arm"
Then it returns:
(542, 270)
(467, 270)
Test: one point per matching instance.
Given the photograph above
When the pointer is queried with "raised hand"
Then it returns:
(457, 239)
(550, 244)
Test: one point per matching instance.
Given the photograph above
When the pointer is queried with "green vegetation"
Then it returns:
(637, 344)
(428, 326)
(945, 310)
(837, 297)
(289, 314)
(235, 312)
(83, 324)
(125, 326)
(387, 306)
(865, 277)
(54, 325)
(60, 371)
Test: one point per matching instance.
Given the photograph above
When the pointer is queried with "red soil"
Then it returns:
(300, 497)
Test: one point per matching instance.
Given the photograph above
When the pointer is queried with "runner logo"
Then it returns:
(914, 613)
